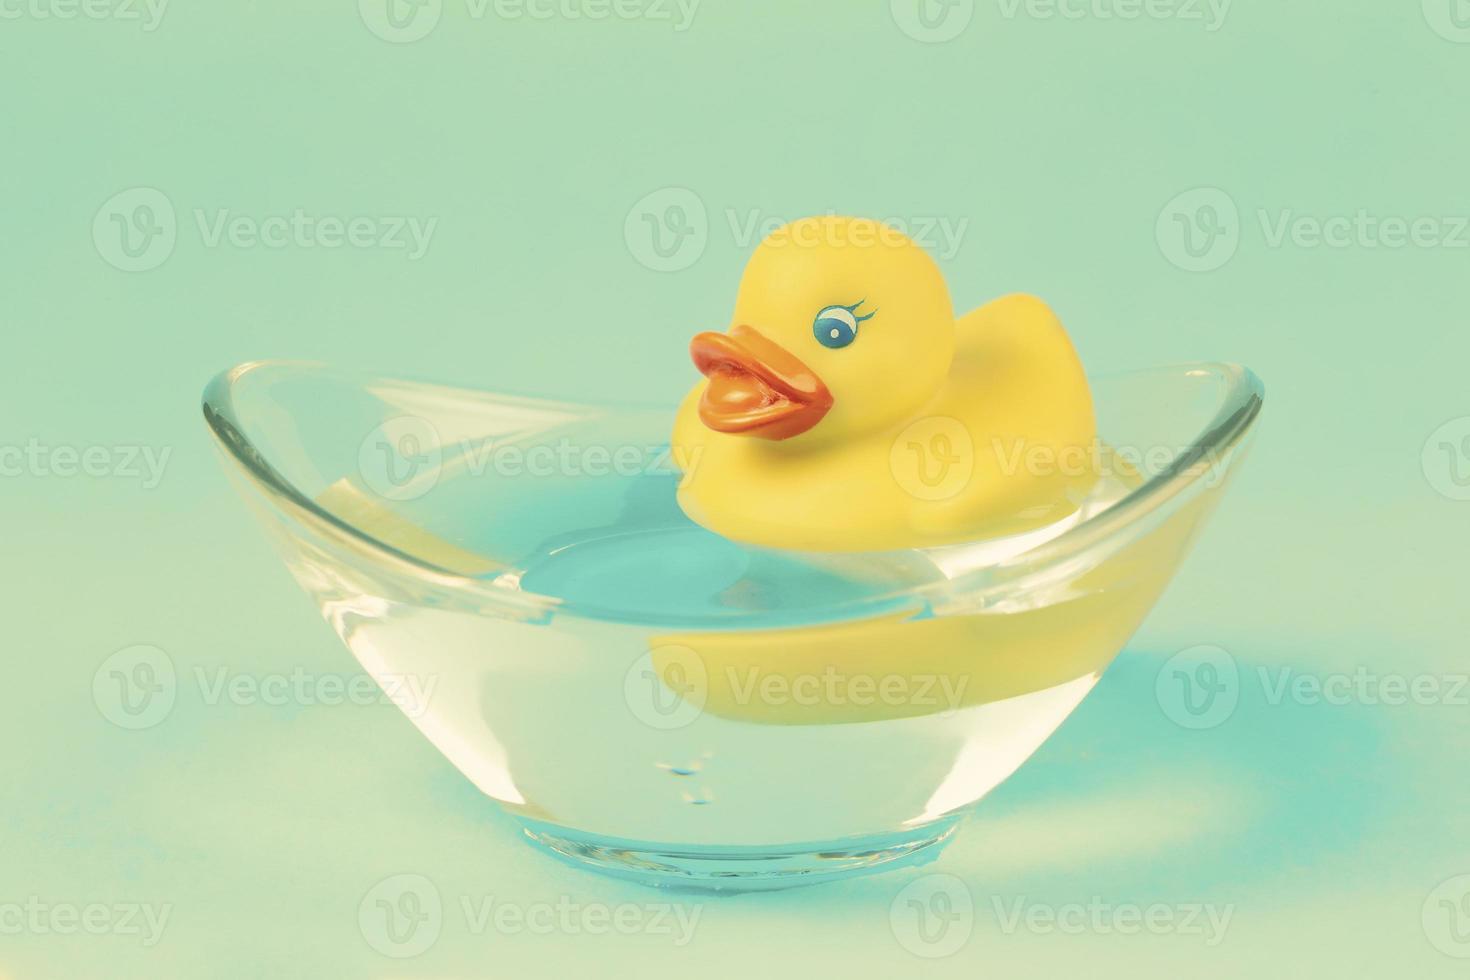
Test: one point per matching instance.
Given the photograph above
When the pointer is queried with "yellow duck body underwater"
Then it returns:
(848, 409)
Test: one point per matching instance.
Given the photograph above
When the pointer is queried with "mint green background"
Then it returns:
(1059, 141)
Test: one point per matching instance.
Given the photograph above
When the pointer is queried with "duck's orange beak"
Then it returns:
(756, 386)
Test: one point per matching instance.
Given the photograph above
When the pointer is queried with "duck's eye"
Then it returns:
(835, 327)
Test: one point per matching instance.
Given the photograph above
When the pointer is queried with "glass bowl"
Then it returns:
(653, 701)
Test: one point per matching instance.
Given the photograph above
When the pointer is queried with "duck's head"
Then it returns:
(842, 326)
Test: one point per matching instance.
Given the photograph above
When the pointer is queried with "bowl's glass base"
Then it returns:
(743, 868)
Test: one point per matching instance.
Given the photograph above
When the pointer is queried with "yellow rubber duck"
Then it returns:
(847, 409)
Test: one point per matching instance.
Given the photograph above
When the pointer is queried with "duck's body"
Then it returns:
(922, 431)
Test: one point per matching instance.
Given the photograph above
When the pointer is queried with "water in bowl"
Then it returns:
(685, 689)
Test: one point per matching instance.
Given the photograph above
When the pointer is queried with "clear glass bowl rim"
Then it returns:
(1081, 546)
